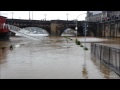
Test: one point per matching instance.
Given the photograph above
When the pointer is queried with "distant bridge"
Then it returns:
(54, 27)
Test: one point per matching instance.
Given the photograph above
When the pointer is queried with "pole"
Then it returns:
(0, 13)
(29, 15)
(32, 15)
(85, 34)
(84, 58)
(12, 14)
(76, 28)
(67, 16)
(76, 23)
(45, 17)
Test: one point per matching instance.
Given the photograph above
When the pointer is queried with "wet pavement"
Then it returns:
(51, 58)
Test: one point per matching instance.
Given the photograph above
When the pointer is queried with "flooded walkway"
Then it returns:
(51, 58)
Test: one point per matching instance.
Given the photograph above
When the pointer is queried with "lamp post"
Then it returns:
(32, 15)
(84, 71)
(85, 32)
(12, 14)
(86, 25)
(76, 28)
(45, 16)
(29, 15)
(76, 23)
(67, 16)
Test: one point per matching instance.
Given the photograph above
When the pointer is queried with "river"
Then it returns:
(51, 58)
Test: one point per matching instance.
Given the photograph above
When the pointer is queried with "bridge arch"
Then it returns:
(80, 30)
(91, 29)
(69, 31)
(90, 32)
(37, 30)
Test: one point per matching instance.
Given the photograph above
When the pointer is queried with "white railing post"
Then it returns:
(17, 29)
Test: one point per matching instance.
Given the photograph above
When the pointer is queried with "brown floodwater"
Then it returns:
(52, 58)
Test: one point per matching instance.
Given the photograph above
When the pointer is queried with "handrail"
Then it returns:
(17, 30)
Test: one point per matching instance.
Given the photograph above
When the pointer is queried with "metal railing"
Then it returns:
(107, 55)
(17, 30)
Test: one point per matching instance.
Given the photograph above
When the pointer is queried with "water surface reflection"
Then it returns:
(85, 72)
(51, 58)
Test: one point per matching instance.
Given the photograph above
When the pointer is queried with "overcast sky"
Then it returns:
(50, 15)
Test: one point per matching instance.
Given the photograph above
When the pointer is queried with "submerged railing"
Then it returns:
(107, 55)
(17, 30)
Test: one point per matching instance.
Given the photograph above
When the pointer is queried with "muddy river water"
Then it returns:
(51, 58)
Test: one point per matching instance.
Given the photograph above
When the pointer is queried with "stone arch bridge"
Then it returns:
(54, 27)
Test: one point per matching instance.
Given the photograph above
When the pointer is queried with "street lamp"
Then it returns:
(86, 25)
(85, 33)
(76, 23)
(76, 28)
(67, 16)
(45, 16)
(12, 14)
(84, 71)
(29, 15)
(32, 15)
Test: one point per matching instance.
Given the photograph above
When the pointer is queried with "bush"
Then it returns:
(85, 48)
(81, 45)
(77, 42)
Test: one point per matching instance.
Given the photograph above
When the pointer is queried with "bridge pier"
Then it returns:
(55, 28)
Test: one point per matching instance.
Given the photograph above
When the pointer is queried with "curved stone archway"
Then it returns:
(64, 28)
(80, 30)
(68, 31)
(37, 30)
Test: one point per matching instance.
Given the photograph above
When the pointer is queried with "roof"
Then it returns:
(3, 16)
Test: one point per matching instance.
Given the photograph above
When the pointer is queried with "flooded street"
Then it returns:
(51, 58)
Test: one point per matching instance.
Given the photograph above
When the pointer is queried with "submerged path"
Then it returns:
(51, 58)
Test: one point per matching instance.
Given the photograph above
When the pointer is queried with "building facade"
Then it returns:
(101, 16)
(4, 31)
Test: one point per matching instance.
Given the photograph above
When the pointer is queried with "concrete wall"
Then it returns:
(108, 29)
